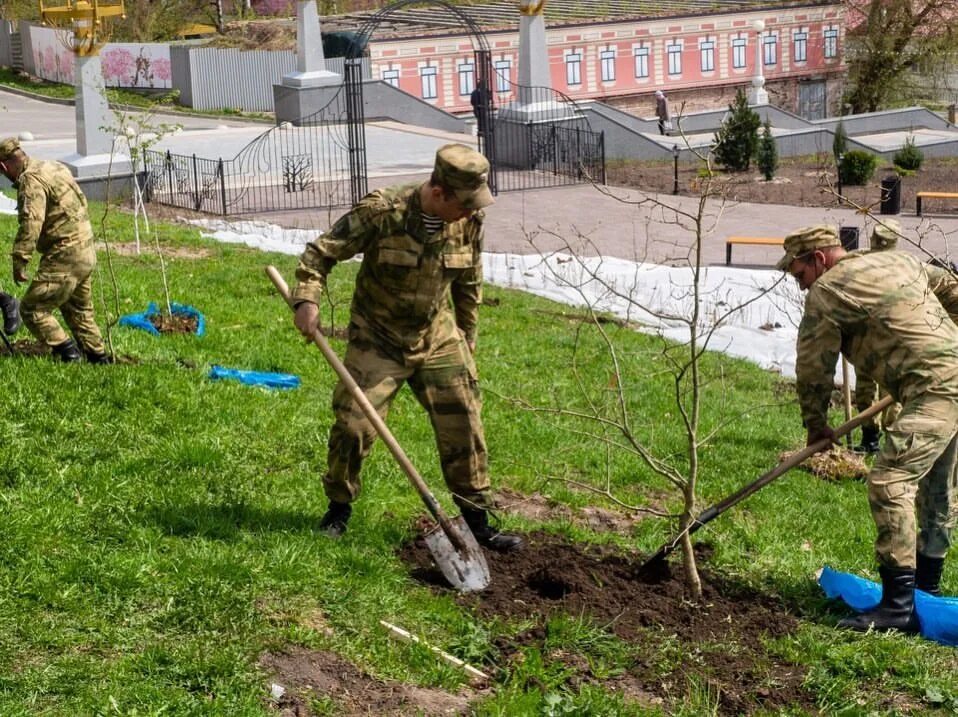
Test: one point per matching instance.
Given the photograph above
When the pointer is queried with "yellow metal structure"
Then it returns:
(88, 20)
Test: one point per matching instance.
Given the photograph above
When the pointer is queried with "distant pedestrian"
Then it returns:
(662, 112)
(479, 99)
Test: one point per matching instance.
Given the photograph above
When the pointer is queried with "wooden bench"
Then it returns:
(932, 195)
(761, 241)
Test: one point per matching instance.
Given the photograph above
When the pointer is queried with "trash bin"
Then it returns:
(848, 236)
(890, 195)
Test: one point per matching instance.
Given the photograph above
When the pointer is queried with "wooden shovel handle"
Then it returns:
(744, 492)
(367, 408)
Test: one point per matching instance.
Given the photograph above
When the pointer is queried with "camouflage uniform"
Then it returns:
(403, 328)
(54, 221)
(892, 316)
(884, 238)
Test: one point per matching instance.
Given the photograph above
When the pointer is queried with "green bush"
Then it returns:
(767, 155)
(737, 138)
(909, 157)
(858, 167)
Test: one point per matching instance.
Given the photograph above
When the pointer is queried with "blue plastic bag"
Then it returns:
(255, 378)
(938, 615)
(142, 320)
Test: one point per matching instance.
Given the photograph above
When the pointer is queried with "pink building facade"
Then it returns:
(624, 62)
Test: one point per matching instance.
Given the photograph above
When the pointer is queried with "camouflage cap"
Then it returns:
(801, 241)
(885, 235)
(466, 172)
(8, 146)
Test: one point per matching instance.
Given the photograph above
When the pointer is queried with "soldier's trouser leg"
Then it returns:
(352, 435)
(78, 313)
(448, 388)
(918, 456)
(47, 292)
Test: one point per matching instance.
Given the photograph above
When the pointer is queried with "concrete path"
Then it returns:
(609, 221)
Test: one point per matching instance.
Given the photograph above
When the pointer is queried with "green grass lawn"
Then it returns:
(158, 530)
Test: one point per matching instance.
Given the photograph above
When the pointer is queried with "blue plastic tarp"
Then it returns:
(938, 615)
(255, 378)
(142, 320)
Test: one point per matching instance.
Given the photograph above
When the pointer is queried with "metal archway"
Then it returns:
(355, 118)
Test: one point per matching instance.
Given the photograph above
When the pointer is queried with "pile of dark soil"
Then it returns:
(799, 181)
(174, 323)
(25, 347)
(721, 638)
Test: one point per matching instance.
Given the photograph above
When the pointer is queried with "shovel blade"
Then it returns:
(466, 570)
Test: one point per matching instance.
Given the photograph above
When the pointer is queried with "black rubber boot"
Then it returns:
(928, 574)
(67, 351)
(97, 358)
(869, 442)
(478, 522)
(896, 611)
(10, 307)
(334, 522)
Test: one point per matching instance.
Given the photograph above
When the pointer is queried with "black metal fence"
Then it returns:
(542, 139)
(288, 167)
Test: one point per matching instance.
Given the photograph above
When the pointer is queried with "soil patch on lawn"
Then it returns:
(539, 507)
(174, 323)
(799, 181)
(299, 676)
(720, 640)
(148, 250)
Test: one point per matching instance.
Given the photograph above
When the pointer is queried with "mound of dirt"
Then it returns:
(721, 637)
(300, 675)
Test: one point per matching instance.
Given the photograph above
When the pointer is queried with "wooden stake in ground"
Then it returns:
(474, 674)
(847, 393)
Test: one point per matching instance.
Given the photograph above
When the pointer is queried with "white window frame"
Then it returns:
(391, 76)
(800, 46)
(770, 50)
(503, 70)
(641, 57)
(707, 55)
(428, 75)
(573, 68)
(467, 77)
(830, 42)
(739, 53)
(607, 65)
(674, 53)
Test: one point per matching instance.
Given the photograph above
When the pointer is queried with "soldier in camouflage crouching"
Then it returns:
(893, 317)
(413, 320)
(53, 220)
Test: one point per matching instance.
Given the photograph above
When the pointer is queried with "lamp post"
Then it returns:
(841, 158)
(758, 95)
(675, 169)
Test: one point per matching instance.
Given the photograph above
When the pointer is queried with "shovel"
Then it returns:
(783, 467)
(452, 544)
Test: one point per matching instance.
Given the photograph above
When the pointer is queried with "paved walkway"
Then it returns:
(609, 221)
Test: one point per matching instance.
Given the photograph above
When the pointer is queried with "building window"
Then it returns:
(641, 62)
(467, 78)
(707, 51)
(738, 52)
(801, 46)
(391, 77)
(573, 68)
(503, 75)
(428, 76)
(770, 47)
(831, 42)
(607, 59)
(675, 59)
